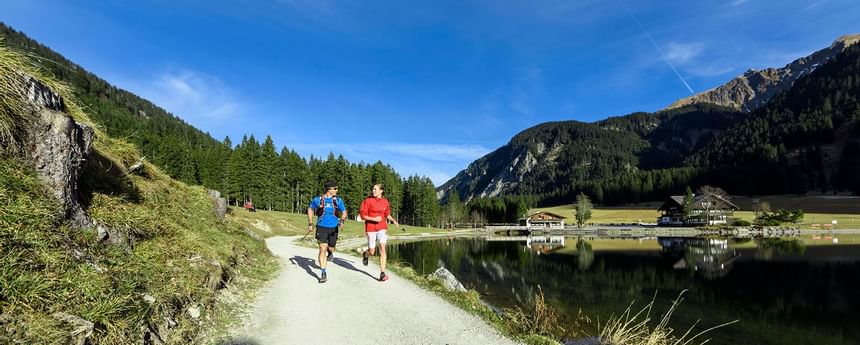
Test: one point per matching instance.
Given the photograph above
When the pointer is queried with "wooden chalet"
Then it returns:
(706, 210)
(543, 220)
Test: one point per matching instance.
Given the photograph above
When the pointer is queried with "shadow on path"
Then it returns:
(307, 264)
(348, 265)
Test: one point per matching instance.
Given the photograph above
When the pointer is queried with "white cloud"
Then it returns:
(193, 96)
(737, 3)
(680, 53)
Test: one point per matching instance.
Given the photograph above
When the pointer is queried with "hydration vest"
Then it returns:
(321, 210)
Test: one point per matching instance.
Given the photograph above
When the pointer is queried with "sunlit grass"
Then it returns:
(16, 69)
(606, 215)
(637, 215)
(167, 244)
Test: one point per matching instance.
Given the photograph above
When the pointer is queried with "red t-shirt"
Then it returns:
(375, 207)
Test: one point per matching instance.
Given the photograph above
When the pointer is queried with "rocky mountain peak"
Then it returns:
(754, 88)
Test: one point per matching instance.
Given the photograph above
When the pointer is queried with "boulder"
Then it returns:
(448, 279)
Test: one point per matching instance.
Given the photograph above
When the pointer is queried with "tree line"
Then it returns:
(281, 180)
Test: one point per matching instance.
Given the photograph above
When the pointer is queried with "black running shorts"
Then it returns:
(327, 235)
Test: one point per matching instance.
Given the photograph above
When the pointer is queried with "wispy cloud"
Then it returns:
(439, 162)
(680, 53)
(737, 3)
(194, 96)
(656, 47)
(528, 84)
(813, 4)
(708, 71)
(434, 152)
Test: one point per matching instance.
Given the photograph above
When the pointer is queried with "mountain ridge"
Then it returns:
(652, 158)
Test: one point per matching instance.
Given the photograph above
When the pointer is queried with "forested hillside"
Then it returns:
(806, 138)
(276, 179)
(618, 160)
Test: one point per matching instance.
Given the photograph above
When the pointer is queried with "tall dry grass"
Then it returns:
(631, 328)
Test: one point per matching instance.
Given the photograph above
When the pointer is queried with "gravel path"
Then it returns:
(352, 307)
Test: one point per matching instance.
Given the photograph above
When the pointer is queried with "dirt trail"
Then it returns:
(352, 307)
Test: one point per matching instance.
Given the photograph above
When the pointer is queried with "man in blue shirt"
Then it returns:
(331, 213)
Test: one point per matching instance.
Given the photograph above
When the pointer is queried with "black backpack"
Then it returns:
(321, 209)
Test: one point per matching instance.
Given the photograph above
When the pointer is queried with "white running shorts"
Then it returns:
(381, 235)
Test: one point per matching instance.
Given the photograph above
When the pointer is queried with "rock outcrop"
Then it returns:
(81, 329)
(219, 204)
(57, 146)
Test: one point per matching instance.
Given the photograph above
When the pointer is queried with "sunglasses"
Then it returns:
(333, 188)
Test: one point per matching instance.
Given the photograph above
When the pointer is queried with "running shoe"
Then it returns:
(383, 277)
(330, 255)
(323, 278)
(364, 258)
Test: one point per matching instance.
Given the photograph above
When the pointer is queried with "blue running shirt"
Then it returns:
(328, 219)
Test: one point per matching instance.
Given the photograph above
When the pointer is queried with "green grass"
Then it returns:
(627, 215)
(14, 107)
(605, 215)
(170, 245)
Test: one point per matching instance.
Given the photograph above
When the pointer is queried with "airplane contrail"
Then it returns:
(654, 43)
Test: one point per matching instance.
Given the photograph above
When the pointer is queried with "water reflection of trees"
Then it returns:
(795, 302)
(767, 247)
(584, 254)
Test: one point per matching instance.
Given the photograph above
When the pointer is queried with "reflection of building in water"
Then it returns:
(711, 257)
(543, 220)
(545, 244)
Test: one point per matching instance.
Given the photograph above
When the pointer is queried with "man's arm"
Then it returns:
(310, 218)
(343, 215)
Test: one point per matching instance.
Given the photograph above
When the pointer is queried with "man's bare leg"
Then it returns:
(323, 260)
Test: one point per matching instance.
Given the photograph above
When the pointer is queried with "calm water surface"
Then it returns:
(783, 291)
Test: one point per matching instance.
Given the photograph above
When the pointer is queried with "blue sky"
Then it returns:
(425, 86)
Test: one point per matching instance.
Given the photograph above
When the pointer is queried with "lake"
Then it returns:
(801, 290)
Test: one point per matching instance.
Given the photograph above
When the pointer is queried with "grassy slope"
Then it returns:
(176, 254)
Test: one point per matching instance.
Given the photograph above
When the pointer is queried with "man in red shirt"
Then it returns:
(376, 212)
